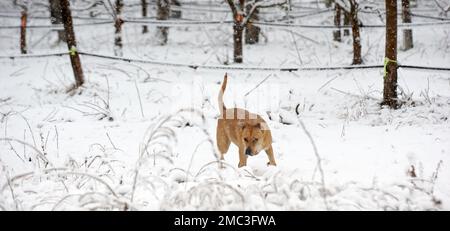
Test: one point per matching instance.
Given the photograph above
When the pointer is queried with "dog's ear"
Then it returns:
(262, 126)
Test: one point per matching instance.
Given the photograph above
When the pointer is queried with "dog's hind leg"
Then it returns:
(223, 142)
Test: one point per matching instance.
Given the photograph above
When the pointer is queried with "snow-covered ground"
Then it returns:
(141, 136)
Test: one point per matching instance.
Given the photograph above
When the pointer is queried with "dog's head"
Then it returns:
(253, 134)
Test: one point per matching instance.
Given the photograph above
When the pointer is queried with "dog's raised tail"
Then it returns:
(222, 107)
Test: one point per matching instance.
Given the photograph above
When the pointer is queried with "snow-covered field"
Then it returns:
(142, 137)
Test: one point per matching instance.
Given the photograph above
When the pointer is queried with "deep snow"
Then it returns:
(100, 155)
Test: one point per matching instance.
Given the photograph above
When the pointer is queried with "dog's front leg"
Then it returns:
(242, 157)
(269, 152)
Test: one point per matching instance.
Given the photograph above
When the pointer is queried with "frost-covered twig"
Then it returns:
(257, 85)
(296, 48)
(95, 109)
(192, 158)
(426, 93)
(444, 9)
(38, 152)
(261, 4)
(435, 175)
(319, 164)
(139, 97)
(110, 141)
(203, 168)
(13, 195)
(354, 95)
(57, 141)
(29, 127)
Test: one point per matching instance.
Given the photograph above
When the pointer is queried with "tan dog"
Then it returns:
(246, 130)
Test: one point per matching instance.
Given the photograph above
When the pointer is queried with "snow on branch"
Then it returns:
(23, 4)
(233, 7)
(87, 6)
(344, 4)
(261, 4)
(443, 9)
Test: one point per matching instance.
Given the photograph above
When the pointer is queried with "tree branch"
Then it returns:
(233, 7)
(444, 10)
(260, 5)
(343, 4)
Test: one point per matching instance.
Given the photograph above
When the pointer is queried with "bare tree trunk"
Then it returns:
(144, 15)
(175, 13)
(337, 23)
(407, 33)
(238, 29)
(23, 31)
(346, 23)
(118, 25)
(237, 38)
(252, 31)
(55, 18)
(163, 12)
(355, 31)
(240, 22)
(390, 78)
(71, 43)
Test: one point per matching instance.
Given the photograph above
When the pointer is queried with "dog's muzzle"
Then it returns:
(248, 152)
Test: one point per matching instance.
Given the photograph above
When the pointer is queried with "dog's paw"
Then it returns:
(240, 165)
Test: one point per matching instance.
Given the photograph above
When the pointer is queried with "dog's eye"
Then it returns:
(255, 140)
(245, 139)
